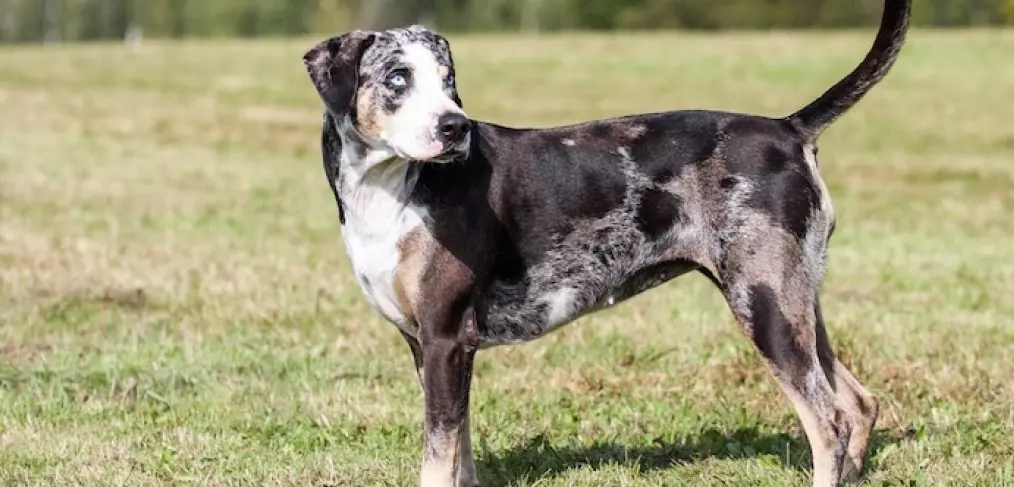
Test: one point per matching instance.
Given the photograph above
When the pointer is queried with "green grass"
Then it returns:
(176, 307)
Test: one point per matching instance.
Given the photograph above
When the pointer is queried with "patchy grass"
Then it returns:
(176, 308)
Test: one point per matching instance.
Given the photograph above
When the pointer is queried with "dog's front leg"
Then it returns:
(467, 475)
(447, 376)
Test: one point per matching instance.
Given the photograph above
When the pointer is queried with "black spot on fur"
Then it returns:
(790, 199)
(603, 192)
(663, 158)
(391, 63)
(727, 183)
(391, 102)
(770, 155)
(775, 159)
(773, 334)
(601, 131)
(658, 212)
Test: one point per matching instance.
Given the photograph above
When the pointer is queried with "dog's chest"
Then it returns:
(377, 233)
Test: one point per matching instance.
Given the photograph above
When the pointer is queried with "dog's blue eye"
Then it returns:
(449, 81)
(397, 79)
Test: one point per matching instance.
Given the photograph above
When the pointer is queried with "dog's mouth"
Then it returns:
(454, 153)
(439, 153)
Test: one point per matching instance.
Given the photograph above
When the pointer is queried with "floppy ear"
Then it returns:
(447, 45)
(333, 66)
(331, 149)
(457, 98)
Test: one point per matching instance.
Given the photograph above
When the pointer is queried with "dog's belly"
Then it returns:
(573, 284)
(646, 279)
(567, 303)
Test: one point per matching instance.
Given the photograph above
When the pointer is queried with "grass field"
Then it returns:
(176, 307)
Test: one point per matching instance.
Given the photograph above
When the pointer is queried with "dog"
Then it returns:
(466, 234)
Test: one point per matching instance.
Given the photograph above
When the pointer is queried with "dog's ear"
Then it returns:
(457, 98)
(333, 66)
(331, 149)
(445, 44)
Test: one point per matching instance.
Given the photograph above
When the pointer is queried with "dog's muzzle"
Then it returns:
(453, 131)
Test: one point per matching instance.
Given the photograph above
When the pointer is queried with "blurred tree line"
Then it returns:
(57, 20)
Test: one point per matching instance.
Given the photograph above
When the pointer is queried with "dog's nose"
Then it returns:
(453, 127)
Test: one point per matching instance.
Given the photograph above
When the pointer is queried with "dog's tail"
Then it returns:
(813, 119)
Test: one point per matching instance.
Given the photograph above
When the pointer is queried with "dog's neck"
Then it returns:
(369, 173)
(364, 166)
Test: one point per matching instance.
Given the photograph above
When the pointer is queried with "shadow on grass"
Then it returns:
(538, 459)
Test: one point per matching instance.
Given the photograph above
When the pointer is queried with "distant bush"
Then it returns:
(34, 20)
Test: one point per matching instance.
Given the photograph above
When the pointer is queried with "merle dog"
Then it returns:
(467, 234)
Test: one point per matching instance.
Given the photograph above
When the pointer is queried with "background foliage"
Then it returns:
(36, 20)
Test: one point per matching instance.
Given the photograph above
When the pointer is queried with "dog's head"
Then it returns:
(396, 89)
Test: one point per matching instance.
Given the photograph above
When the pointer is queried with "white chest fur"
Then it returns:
(378, 219)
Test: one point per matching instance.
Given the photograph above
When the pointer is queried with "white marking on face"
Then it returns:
(561, 305)
(569, 142)
(624, 152)
(412, 129)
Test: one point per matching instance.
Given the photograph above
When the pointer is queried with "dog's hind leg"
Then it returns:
(859, 403)
(771, 285)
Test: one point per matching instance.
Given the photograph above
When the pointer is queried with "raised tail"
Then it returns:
(814, 118)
